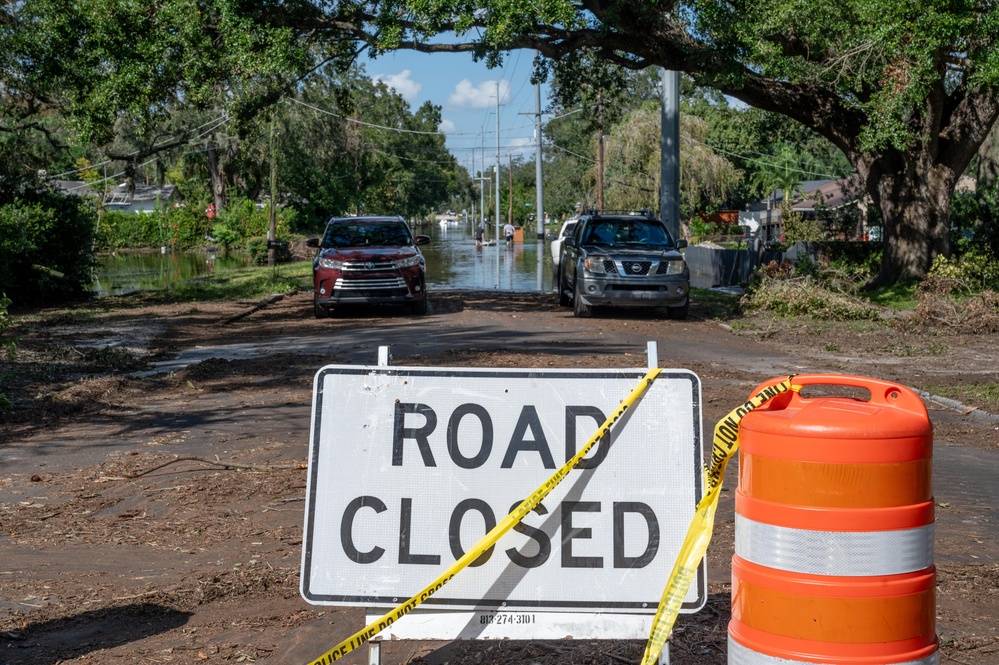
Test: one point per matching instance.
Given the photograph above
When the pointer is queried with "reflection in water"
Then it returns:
(453, 262)
(128, 272)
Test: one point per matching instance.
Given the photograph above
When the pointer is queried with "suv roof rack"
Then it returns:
(634, 213)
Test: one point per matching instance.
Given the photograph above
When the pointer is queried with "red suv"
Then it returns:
(369, 260)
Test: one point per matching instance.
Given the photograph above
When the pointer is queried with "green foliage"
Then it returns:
(127, 61)
(329, 166)
(259, 254)
(46, 245)
(797, 228)
(187, 226)
(975, 219)
(225, 236)
(8, 346)
(119, 230)
(975, 270)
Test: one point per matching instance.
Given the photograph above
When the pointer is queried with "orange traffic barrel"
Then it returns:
(834, 528)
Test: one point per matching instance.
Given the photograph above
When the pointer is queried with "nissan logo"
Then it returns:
(636, 267)
(369, 266)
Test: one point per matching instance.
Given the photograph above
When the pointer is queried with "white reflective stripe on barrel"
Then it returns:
(845, 553)
(740, 655)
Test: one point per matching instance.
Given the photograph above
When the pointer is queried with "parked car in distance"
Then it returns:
(567, 227)
(623, 259)
(368, 260)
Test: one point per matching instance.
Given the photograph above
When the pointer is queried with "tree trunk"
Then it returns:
(218, 179)
(988, 160)
(913, 195)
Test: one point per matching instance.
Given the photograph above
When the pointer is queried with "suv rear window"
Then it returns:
(626, 231)
(351, 234)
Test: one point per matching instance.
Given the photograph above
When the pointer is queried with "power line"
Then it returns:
(367, 124)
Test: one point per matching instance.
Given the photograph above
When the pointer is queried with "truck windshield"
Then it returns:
(384, 234)
(627, 231)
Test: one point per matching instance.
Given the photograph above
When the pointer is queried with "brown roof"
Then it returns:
(835, 194)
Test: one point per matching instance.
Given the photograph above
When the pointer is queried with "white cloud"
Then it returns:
(447, 126)
(401, 83)
(521, 145)
(468, 96)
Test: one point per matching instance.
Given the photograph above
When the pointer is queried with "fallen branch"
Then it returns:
(226, 466)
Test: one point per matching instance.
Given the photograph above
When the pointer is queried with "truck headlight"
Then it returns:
(675, 267)
(332, 264)
(594, 264)
(408, 262)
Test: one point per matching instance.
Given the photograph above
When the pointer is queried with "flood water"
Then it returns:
(453, 262)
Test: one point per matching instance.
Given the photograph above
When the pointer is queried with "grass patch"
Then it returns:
(716, 304)
(901, 296)
(982, 395)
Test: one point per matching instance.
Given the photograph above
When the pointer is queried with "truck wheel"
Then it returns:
(318, 310)
(580, 309)
(680, 313)
(563, 300)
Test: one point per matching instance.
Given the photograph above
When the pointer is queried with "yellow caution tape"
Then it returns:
(487, 541)
(726, 443)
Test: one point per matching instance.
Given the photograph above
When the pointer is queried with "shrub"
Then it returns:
(117, 230)
(974, 270)
(259, 254)
(46, 245)
(185, 226)
(225, 237)
(8, 346)
(797, 228)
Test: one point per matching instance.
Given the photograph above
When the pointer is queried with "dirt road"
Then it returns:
(157, 517)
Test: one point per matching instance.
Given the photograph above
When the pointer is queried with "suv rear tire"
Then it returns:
(563, 300)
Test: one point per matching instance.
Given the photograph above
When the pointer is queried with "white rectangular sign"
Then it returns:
(409, 467)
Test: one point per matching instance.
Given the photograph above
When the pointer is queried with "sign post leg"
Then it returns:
(385, 356)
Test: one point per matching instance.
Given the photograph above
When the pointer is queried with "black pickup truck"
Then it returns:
(625, 260)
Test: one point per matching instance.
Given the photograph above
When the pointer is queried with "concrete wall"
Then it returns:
(710, 266)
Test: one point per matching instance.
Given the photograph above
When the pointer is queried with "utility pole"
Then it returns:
(272, 229)
(497, 185)
(600, 150)
(482, 178)
(669, 153)
(538, 188)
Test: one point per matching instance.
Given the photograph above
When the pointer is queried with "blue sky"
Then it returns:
(466, 92)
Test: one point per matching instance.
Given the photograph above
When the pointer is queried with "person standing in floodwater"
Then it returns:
(508, 230)
(479, 232)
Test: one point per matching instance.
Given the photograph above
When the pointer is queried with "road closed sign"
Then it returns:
(410, 467)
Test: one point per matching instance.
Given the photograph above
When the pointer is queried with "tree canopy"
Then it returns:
(907, 91)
